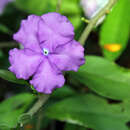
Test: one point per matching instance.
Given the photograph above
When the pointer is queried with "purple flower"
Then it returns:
(3, 3)
(49, 49)
(92, 7)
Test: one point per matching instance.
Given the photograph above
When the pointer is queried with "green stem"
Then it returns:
(39, 120)
(58, 5)
(94, 20)
(42, 100)
(8, 44)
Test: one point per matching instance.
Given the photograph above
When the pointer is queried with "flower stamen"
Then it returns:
(45, 51)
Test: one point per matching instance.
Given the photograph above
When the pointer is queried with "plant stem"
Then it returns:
(94, 20)
(39, 120)
(42, 99)
(8, 44)
(58, 5)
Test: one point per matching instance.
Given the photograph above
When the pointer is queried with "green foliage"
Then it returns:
(116, 29)
(42, 6)
(70, 8)
(12, 108)
(91, 111)
(24, 118)
(69, 126)
(63, 92)
(34, 6)
(104, 77)
(1, 53)
(82, 102)
(9, 76)
(5, 29)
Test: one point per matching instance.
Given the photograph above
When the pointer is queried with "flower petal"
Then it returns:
(68, 57)
(56, 29)
(47, 78)
(27, 35)
(59, 24)
(3, 4)
(24, 62)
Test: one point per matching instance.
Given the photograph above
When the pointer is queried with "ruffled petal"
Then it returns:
(59, 23)
(47, 78)
(24, 63)
(27, 35)
(56, 29)
(68, 57)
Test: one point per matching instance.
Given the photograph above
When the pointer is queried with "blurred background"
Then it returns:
(94, 98)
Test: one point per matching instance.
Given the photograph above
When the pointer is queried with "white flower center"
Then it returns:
(45, 51)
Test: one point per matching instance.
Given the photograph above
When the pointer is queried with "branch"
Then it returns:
(42, 100)
(8, 44)
(58, 6)
(94, 20)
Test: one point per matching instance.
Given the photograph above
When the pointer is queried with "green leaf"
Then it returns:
(9, 76)
(63, 92)
(91, 111)
(12, 108)
(115, 30)
(33, 6)
(43, 6)
(76, 21)
(24, 118)
(69, 8)
(1, 53)
(69, 126)
(104, 77)
(4, 29)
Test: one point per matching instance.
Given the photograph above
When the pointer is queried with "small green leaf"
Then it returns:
(115, 30)
(63, 92)
(70, 7)
(24, 118)
(33, 6)
(91, 111)
(9, 76)
(43, 6)
(76, 21)
(69, 126)
(12, 108)
(104, 77)
(4, 29)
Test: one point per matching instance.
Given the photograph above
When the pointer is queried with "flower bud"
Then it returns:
(92, 7)
(3, 3)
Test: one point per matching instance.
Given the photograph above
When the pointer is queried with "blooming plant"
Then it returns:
(49, 49)
(92, 7)
(54, 75)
